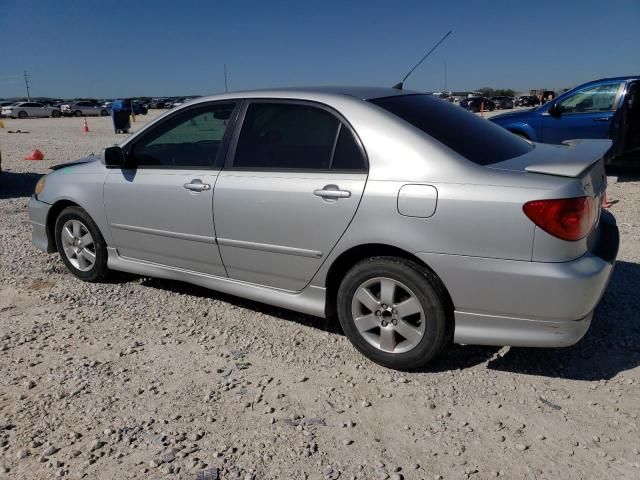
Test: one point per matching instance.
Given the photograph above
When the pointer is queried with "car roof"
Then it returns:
(362, 93)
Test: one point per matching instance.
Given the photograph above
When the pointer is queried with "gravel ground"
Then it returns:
(146, 378)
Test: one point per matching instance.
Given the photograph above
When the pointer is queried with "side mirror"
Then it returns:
(554, 110)
(114, 157)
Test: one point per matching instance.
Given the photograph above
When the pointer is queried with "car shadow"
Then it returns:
(611, 346)
(182, 288)
(15, 184)
(455, 357)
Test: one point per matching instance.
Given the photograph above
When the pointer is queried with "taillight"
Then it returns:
(566, 218)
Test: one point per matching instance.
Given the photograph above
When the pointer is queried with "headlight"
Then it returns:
(40, 185)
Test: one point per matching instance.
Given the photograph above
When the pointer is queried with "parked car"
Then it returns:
(5, 104)
(85, 108)
(365, 203)
(586, 111)
(30, 109)
(139, 108)
(502, 102)
(158, 103)
(476, 104)
(527, 101)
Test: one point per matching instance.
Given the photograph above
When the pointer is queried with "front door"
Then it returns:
(160, 210)
(288, 192)
(586, 113)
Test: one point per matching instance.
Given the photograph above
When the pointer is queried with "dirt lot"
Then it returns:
(145, 378)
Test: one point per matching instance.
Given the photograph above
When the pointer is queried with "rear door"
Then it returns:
(160, 210)
(291, 186)
(586, 113)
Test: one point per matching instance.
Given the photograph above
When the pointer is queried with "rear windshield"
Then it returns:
(473, 137)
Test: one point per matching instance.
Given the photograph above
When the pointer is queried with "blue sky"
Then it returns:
(111, 48)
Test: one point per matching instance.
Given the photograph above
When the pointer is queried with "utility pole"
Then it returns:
(445, 75)
(225, 78)
(26, 84)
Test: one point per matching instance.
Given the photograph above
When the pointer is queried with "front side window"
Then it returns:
(191, 138)
(601, 98)
(283, 136)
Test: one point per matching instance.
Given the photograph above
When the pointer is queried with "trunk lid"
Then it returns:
(573, 159)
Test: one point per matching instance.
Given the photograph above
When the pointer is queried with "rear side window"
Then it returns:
(284, 136)
(475, 138)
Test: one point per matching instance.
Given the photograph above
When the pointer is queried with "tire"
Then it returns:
(104, 113)
(429, 329)
(474, 109)
(77, 113)
(22, 114)
(55, 114)
(81, 265)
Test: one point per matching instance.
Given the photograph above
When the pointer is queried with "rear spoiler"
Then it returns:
(573, 158)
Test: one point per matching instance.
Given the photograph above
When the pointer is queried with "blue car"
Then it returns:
(606, 108)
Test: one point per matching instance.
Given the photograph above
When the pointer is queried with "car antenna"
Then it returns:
(398, 86)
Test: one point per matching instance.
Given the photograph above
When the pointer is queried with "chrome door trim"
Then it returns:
(265, 247)
(165, 233)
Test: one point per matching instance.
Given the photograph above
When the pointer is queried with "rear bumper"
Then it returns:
(532, 304)
(476, 329)
(38, 212)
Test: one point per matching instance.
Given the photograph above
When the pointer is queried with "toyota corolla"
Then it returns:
(412, 221)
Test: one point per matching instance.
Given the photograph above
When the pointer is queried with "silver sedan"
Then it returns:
(412, 221)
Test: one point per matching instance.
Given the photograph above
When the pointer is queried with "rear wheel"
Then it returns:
(55, 114)
(393, 311)
(80, 245)
(78, 113)
(104, 113)
(22, 114)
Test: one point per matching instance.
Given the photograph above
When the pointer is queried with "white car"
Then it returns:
(84, 108)
(30, 109)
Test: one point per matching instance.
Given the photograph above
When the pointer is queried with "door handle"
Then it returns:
(602, 119)
(332, 191)
(196, 185)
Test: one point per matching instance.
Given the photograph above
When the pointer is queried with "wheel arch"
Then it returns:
(353, 255)
(52, 215)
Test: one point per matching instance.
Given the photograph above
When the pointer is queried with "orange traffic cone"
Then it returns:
(1, 124)
(35, 155)
(482, 109)
(86, 126)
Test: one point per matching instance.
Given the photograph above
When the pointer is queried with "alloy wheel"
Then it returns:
(78, 245)
(388, 315)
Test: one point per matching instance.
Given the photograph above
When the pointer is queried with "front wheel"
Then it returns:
(80, 245)
(104, 113)
(78, 113)
(55, 114)
(394, 312)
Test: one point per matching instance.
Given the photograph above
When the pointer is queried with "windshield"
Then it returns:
(475, 138)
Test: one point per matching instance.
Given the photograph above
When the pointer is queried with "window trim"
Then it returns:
(616, 100)
(342, 122)
(220, 159)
